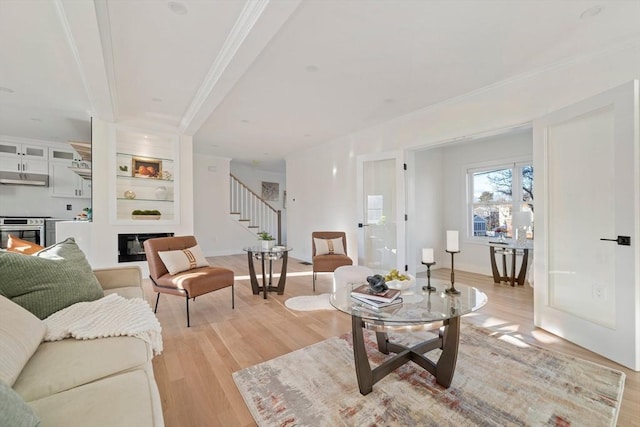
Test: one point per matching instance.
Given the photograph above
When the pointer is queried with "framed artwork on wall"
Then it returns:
(270, 191)
(146, 167)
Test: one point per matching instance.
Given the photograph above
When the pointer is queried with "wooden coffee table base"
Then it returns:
(447, 340)
(267, 286)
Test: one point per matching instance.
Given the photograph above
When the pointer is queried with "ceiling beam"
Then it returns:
(80, 26)
(258, 22)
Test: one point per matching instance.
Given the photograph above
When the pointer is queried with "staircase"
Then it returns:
(252, 211)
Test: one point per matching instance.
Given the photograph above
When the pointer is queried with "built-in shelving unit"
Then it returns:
(145, 176)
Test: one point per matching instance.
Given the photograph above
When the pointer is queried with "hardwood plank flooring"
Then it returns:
(194, 370)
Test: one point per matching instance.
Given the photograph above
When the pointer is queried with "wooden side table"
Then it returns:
(512, 250)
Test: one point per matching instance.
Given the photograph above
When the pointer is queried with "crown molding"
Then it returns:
(241, 29)
(71, 42)
(630, 43)
(104, 28)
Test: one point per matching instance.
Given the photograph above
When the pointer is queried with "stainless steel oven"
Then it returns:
(25, 228)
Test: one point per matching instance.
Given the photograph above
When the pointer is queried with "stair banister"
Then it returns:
(249, 206)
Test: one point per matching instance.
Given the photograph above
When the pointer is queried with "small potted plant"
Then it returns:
(266, 240)
(145, 214)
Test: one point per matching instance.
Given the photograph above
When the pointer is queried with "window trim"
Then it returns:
(516, 163)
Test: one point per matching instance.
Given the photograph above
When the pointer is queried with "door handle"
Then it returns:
(360, 225)
(621, 240)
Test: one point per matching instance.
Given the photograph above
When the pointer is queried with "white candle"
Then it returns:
(521, 219)
(452, 241)
(427, 255)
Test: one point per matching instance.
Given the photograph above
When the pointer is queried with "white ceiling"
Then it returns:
(256, 80)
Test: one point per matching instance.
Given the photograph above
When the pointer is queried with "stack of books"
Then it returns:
(387, 298)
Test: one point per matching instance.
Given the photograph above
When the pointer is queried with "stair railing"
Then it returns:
(254, 210)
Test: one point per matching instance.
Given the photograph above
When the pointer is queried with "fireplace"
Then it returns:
(130, 248)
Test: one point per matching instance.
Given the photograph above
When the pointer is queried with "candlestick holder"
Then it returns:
(452, 289)
(428, 288)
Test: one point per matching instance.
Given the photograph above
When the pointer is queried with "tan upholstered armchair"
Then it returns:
(190, 283)
(328, 252)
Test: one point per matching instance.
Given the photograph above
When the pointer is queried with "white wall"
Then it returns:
(24, 200)
(216, 230)
(323, 200)
(321, 192)
(426, 213)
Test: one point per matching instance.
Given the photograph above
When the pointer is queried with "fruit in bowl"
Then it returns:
(396, 280)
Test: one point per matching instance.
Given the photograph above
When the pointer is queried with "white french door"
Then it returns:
(587, 283)
(381, 211)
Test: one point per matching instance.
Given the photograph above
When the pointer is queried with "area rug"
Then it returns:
(309, 302)
(499, 381)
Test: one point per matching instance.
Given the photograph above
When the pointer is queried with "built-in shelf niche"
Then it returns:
(145, 176)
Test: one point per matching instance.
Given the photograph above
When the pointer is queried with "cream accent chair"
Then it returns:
(327, 263)
(191, 283)
(350, 274)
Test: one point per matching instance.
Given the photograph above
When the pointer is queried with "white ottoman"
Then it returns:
(348, 274)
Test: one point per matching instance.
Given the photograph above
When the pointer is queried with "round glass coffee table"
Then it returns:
(420, 310)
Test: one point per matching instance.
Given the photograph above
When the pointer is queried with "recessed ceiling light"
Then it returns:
(177, 8)
(156, 99)
(35, 119)
(312, 68)
(266, 154)
(307, 135)
(591, 12)
(244, 121)
(389, 101)
(6, 89)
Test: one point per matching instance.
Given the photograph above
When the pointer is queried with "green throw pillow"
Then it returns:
(49, 280)
(14, 411)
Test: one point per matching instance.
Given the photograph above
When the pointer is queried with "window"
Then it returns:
(497, 195)
(375, 209)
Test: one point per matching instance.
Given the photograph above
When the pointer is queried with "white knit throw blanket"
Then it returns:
(110, 316)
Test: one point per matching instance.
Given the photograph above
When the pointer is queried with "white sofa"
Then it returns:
(98, 382)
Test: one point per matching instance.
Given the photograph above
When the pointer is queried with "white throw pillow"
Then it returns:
(20, 335)
(329, 246)
(183, 260)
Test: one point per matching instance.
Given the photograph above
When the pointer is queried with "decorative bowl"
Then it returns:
(402, 284)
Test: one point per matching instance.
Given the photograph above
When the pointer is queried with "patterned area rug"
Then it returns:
(499, 381)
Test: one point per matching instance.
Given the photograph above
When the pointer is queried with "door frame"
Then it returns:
(400, 188)
(622, 343)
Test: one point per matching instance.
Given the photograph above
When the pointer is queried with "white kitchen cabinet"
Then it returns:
(62, 155)
(64, 182)
(16, 157)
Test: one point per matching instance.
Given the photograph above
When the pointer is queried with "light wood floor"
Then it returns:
(194, 370)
